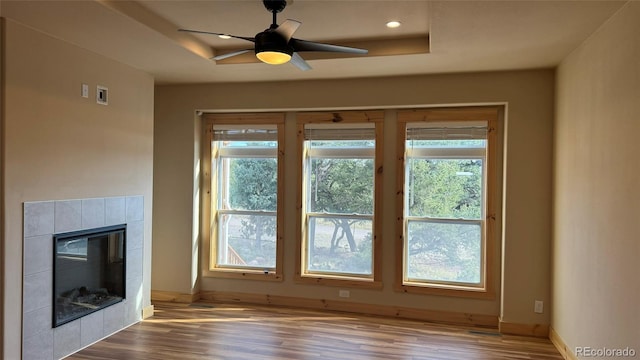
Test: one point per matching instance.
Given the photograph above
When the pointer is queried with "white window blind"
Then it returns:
(235, 133)
(339, 132)
(468, 130)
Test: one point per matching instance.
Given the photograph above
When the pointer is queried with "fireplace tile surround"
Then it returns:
(41, 220)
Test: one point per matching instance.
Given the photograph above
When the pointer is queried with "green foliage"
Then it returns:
(323, 256)
(253, 186)
(263, 256)
(444, 251)
(445, 189)
(341, 186)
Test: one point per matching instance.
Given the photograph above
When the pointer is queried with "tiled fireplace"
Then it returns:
(43, 219)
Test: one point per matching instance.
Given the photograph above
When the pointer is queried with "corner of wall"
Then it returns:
(2, 162)
(595, 190)
(197, 206)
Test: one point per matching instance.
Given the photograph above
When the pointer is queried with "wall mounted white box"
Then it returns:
(538, 306)
(85, 91)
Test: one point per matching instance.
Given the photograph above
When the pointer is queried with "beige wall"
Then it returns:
(2, 216)
(596, 237)
(527, 201)
(58, 145)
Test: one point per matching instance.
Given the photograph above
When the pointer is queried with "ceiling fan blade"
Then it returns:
(219, 34)
(299, 62)
(228, 55)
(287, 28)
(304, 45)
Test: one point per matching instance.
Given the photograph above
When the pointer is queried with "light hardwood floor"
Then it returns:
(234, 331)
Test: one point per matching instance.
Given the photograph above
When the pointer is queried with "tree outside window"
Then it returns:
(244, 199)
(340, 179)
(445, 196)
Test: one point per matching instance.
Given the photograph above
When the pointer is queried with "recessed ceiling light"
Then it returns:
(224, 37)
(393, 24)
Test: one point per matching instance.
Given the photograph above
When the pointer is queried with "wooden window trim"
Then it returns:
(491, 114)
(343, 117)
(208, 227)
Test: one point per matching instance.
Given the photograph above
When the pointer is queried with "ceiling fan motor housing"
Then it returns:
(275, 6)
(271, 41)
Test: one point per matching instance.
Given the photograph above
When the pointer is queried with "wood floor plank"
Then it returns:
(233, 332)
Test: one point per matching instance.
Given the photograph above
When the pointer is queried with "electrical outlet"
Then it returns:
(538, 306)
(344, 293)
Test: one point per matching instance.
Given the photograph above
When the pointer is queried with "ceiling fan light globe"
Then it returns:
(273, 57)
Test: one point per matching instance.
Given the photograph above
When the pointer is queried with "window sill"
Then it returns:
(247, 274)
(443, 290)
(341, 281)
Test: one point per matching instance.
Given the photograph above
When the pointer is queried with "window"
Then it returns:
(76, 248)
(340, 179)
(446, 200)
(245, 182)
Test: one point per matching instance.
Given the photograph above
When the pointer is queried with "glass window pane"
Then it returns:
(340, 245)
(341, 186)
(247, 240)
(443, 252)
(445, 188)
(253, 184)
(75, 247)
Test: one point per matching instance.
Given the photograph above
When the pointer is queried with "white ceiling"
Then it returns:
(464, 35)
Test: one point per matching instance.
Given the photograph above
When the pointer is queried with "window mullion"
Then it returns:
(247, 212)
(340, 216)
(427, 219)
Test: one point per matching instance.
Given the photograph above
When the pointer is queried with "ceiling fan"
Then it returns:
(276, 45)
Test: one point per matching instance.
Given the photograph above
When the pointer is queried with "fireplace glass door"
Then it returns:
(89, 271)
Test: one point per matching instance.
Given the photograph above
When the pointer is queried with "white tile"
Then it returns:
(68, 215)
(135, 234)
(114, 211)
(135, 208)
(134, 263)
(37, 291)
(39, 346)
(36, 321)
(41, 220)
(91, 328)
(66, 339)
(113, 318)
(93, 213)
(132, 313)
(133, 303)
(134, 289)
(38, 218)
(38, 254)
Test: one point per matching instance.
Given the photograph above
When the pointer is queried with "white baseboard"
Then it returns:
(147, 312)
